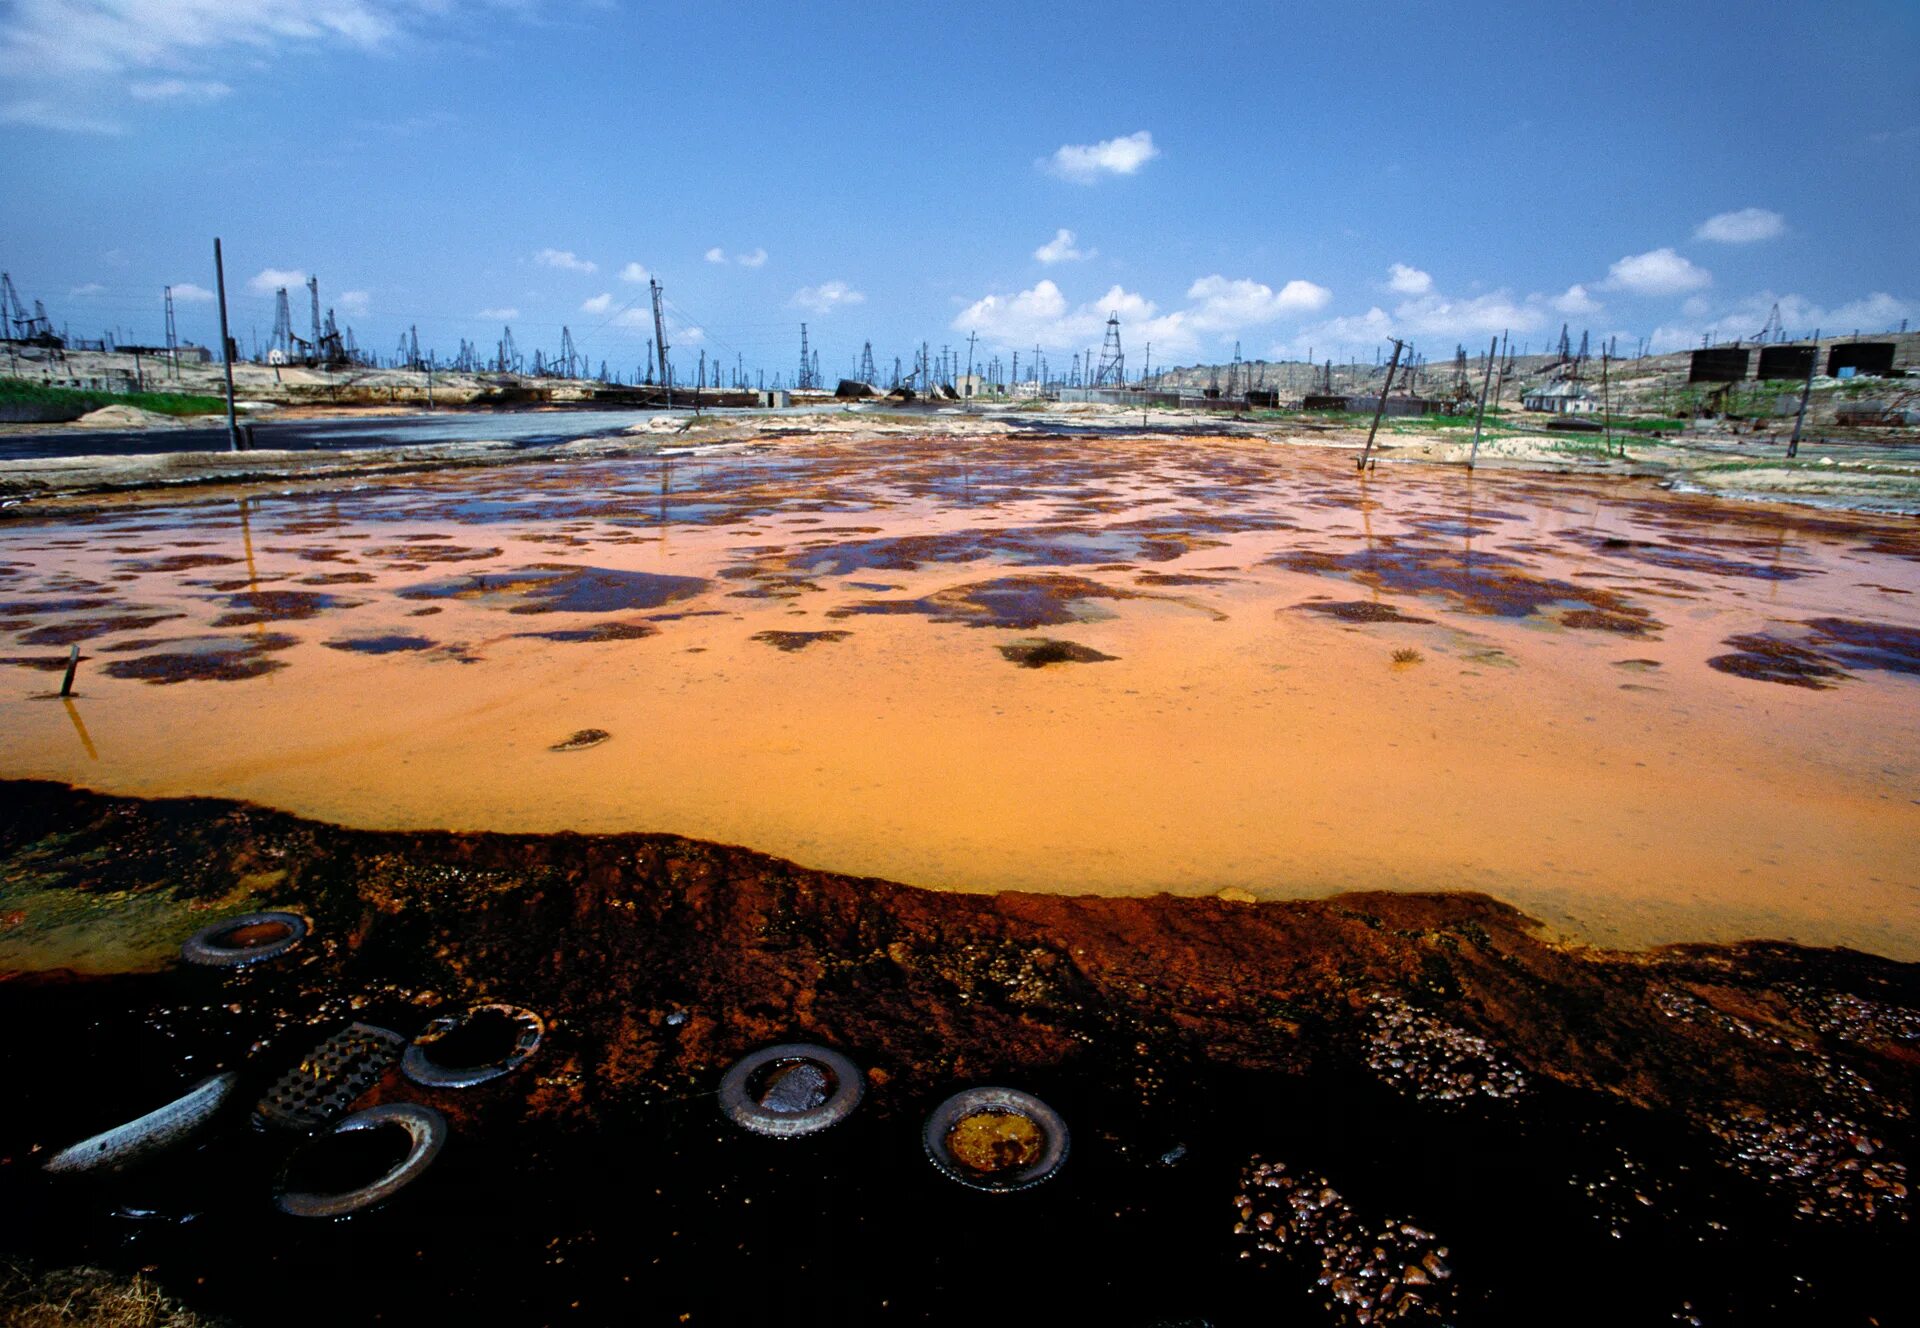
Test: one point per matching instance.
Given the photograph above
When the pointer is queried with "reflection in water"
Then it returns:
(79, 727)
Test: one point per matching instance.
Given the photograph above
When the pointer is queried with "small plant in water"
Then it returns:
(1408, 657)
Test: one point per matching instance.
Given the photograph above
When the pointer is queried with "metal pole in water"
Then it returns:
(226, 344)
(1367, 452)
(1487, 378)
(1806, 390)
(73, 665)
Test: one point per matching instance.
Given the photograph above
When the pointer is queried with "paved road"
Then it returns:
(523, 428)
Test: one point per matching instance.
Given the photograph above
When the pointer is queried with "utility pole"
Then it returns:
(970, 340)
(1366, 453)
(660, 337)
(226, 345)
(1485, 379)
(173, 339)
(1606, 403)
(1806, 390)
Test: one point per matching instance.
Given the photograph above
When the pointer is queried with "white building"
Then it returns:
(1562, 398)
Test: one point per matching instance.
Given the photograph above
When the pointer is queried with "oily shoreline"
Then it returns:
(1732, 1118)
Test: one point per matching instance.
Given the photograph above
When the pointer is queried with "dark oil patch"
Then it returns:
(562, 588)
(1023, 602)
(379, 645)
(338, 579)
(1489, 584)
(1627, 622)
(580, 740)
(792, 641)
(429, 553)
(1039, 654)
(1360, 611)
(609, 631)
(1769, 659)
(1637, 665)
(263, 606)
(45, 663)
(1868, 645)
(211, 659)
(1179, 579)
(85, 629)
(177, 562)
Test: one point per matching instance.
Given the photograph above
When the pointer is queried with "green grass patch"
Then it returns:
(19, 390)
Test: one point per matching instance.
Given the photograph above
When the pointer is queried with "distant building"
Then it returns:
(1562, 398)
(971, 385)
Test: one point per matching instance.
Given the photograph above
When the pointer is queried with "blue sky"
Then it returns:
(1288, 177)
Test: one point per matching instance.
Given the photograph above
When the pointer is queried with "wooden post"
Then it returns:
(1806, 390)
(1366, 453)
(1474, 455)
(226, 344)
(73, 666)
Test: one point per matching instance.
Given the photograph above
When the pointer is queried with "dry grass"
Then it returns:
(87, 1298)
(1407, 657)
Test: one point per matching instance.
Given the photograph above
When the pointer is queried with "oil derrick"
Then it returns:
(1462, 384)
(814, 373)
(282, 340)
(1774, 330)
(805, 379)
(313, 294)
(173, 335)
(539, 363)
(333, 349)
(565, 364)
(509, 356)
(1113, 364)
(413, 347)
(18, 325)
(867, 373)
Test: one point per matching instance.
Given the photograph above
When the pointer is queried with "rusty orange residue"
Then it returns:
(409, 653)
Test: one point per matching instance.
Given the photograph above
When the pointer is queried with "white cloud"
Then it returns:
(564, 259)
(634, 272)
(1575, 300)
(1742, 227)
(758, 258)
(270, 279)
(178, 89)
(48, 113)
(1429, 318)
(1657, 272)
(91, 288)
(827, 296)
(185, 292)
(503, 315)
(1085, 163)
(1408, 280)
(1060, 249)
(61, 54)
(1042, 316)
(716, 255)
(1227, 306)
(354, 303)
(599, 304)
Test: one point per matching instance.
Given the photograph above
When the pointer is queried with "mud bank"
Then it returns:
(1539, 1130)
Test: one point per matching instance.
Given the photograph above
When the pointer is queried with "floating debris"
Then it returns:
(996, 1139)
(474, 1046)
(790, 1090)
(581, 740)
(1370, 1272)
(155, 1132)
(1424, 1058)
(334, 1155)
(1833, 1167)
(247, 939)
(329, 1078)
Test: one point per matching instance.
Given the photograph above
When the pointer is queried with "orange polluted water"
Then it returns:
(1084, 665)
